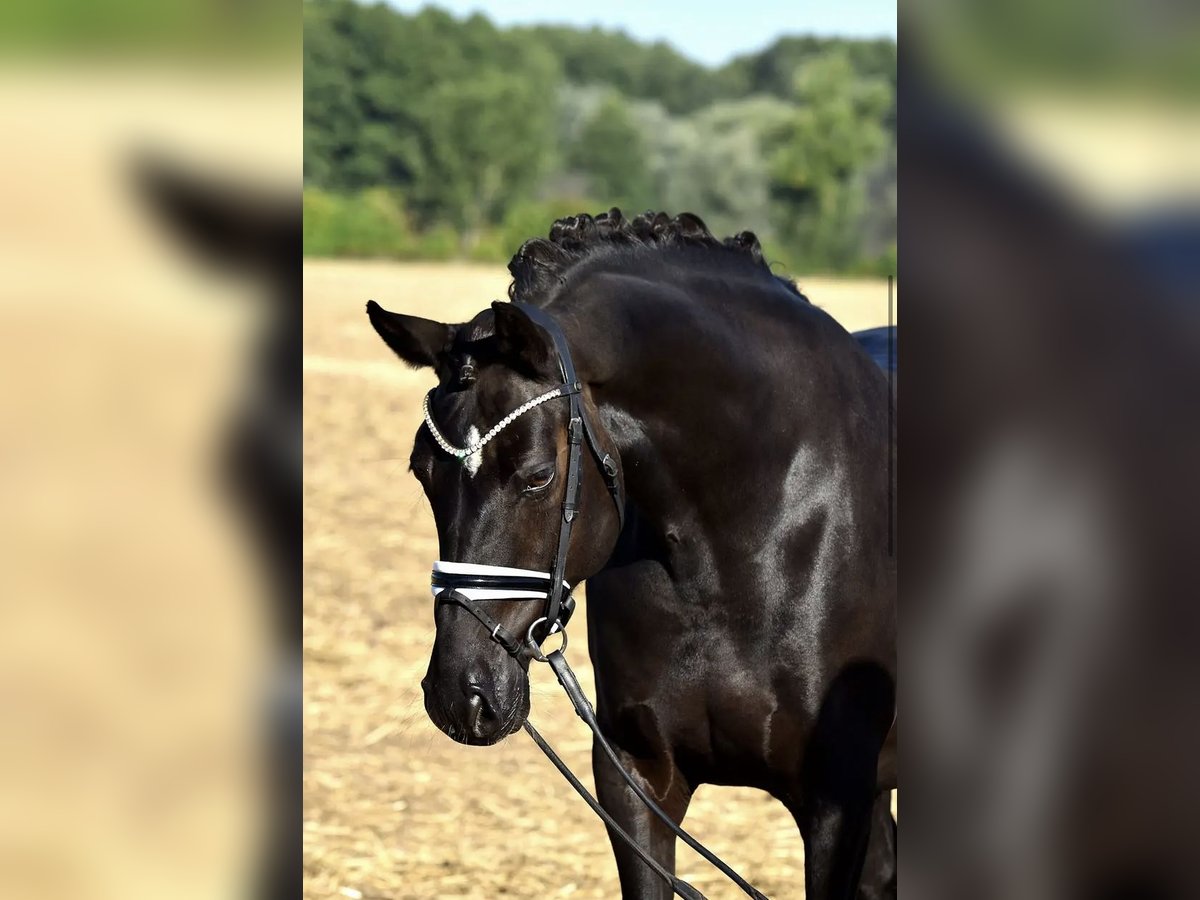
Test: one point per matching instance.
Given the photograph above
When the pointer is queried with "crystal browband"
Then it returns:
(563, 390)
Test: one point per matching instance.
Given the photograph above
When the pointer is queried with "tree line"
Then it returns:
(427, 136)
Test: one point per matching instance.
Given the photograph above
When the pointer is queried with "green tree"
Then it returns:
(656, 72)
(487, 145)
(611, 152)
(773, 69)
(428, 135)
(820, 160)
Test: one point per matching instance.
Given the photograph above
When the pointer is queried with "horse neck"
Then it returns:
(669, 389)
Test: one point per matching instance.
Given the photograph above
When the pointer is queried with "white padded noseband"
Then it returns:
(443, 567)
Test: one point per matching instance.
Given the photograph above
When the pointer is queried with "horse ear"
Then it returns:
(519, 340)
(419, 342)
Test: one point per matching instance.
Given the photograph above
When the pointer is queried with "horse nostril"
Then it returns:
(474, 712)
(479, 713)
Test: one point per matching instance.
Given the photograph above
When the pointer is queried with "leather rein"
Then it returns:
(466, 586)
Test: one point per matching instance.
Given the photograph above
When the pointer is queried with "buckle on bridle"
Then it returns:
(610, 466)
(535, 649)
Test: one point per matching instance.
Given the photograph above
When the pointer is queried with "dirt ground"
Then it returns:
(393, 808)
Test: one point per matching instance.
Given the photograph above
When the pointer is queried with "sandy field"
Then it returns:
(393, 808)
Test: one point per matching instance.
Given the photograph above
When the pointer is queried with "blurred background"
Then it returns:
(140, 661)
(1049, 430)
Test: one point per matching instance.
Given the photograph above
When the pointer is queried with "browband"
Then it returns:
(463, 452)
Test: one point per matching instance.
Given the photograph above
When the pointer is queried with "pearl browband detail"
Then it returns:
(462, 453)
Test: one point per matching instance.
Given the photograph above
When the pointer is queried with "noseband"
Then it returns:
(468, 584)
(459, 584)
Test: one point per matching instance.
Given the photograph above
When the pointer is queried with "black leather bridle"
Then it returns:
(559, 602)
(450, 588)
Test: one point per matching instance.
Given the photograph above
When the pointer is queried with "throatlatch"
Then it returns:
(468, 584)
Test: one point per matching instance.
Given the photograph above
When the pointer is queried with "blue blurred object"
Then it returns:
(876, 342)
(1166, 247)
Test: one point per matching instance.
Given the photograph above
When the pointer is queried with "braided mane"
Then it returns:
(541, 265)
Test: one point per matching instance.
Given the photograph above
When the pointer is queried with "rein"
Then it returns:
(467, 584)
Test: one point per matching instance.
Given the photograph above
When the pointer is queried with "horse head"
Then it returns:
(493, 457)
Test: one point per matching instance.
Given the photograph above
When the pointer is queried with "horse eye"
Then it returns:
(539, 481)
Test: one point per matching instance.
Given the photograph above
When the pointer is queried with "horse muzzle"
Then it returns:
(474, 701)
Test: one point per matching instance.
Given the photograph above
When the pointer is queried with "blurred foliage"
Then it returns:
(820, 159)
(611, 149)
(426, 125)
(1103, 48)
(183, 30)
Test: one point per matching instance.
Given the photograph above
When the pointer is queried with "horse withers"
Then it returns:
(741, 605)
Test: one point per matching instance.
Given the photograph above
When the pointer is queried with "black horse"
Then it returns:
(742, 621)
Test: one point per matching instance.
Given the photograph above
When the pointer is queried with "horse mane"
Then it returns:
(541, 265)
